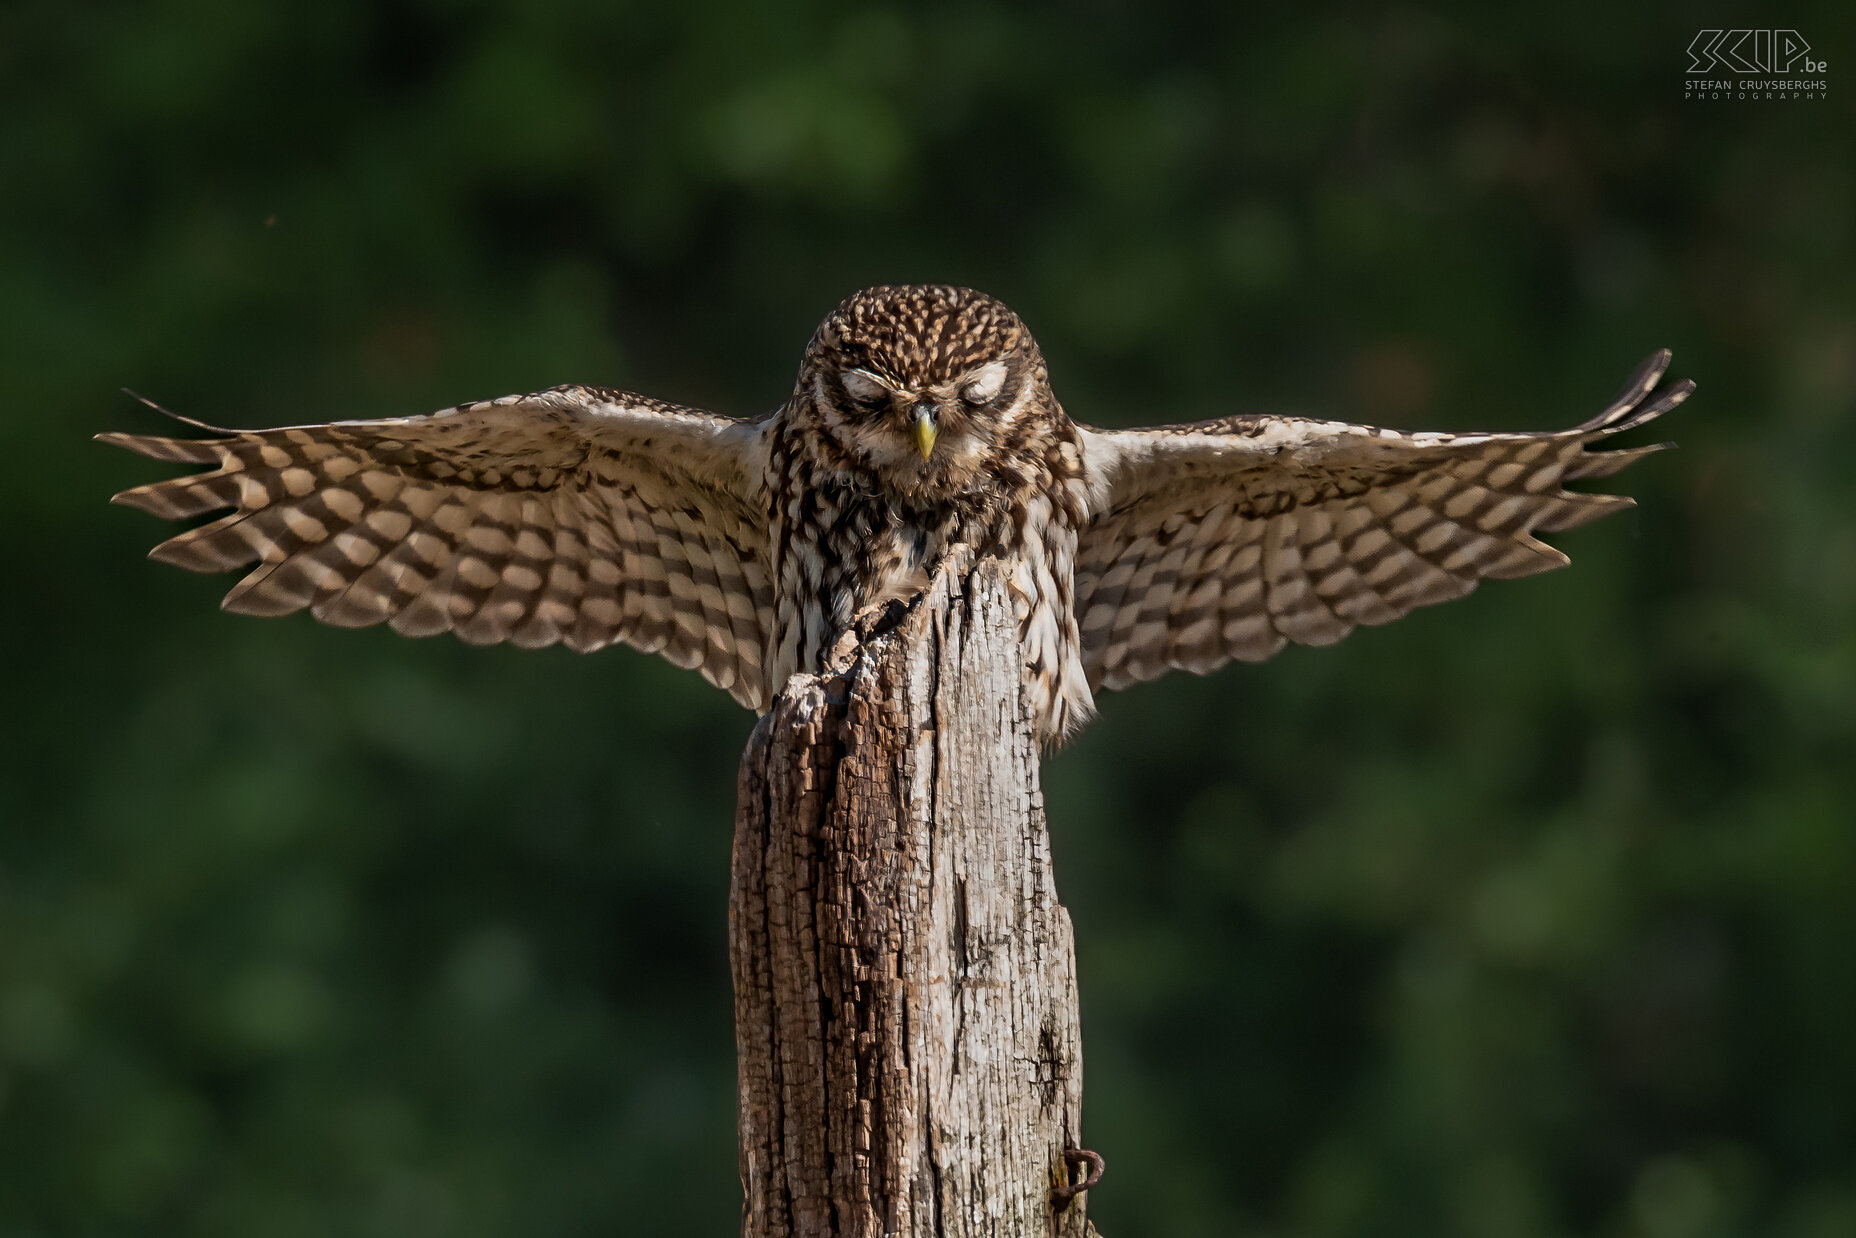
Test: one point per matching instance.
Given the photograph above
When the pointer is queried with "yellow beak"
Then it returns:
(925, 432)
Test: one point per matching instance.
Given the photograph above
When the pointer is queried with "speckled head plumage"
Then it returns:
(925, 389)
(917, 335)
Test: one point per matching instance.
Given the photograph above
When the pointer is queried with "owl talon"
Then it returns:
(880, 621)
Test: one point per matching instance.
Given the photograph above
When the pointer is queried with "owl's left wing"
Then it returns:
(1227, 539)
(579, 515)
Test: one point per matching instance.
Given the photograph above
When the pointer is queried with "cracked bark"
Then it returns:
(905, 983)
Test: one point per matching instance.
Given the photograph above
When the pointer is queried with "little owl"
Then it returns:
(922, 419)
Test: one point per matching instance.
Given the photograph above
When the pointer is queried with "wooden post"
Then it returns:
(905, 982)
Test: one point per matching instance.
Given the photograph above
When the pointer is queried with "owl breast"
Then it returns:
(837, 551)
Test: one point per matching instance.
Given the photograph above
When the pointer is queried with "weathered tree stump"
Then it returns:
(905, 981)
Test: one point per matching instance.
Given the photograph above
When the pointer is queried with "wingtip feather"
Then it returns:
(168, 412)
(184, 557)
(167, 450)
(1629, 409)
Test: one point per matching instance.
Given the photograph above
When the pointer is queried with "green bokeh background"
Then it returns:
(1532, 915)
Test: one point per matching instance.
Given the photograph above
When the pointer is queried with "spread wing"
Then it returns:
(581, 515)
(1227, 539)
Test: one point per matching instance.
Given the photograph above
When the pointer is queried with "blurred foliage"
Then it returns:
(1533, 915)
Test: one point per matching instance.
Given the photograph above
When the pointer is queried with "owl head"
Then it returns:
(926, 387)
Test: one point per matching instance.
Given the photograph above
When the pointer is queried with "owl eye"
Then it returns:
(984, 384)
(866, 390)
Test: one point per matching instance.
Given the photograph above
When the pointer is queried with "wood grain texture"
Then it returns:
(905, 981)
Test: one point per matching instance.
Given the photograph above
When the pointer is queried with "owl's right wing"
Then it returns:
(581, 515)
(1228, 539)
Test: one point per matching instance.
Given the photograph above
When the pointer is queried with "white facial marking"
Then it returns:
(984, 383)
(862, 387)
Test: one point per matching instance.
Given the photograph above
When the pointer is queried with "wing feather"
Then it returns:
(579, 515)
(1228, 539)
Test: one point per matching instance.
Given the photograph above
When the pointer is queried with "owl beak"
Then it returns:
(925, 429)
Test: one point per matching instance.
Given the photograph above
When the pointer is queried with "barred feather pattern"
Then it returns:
(583, 516)
(1229, 539)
